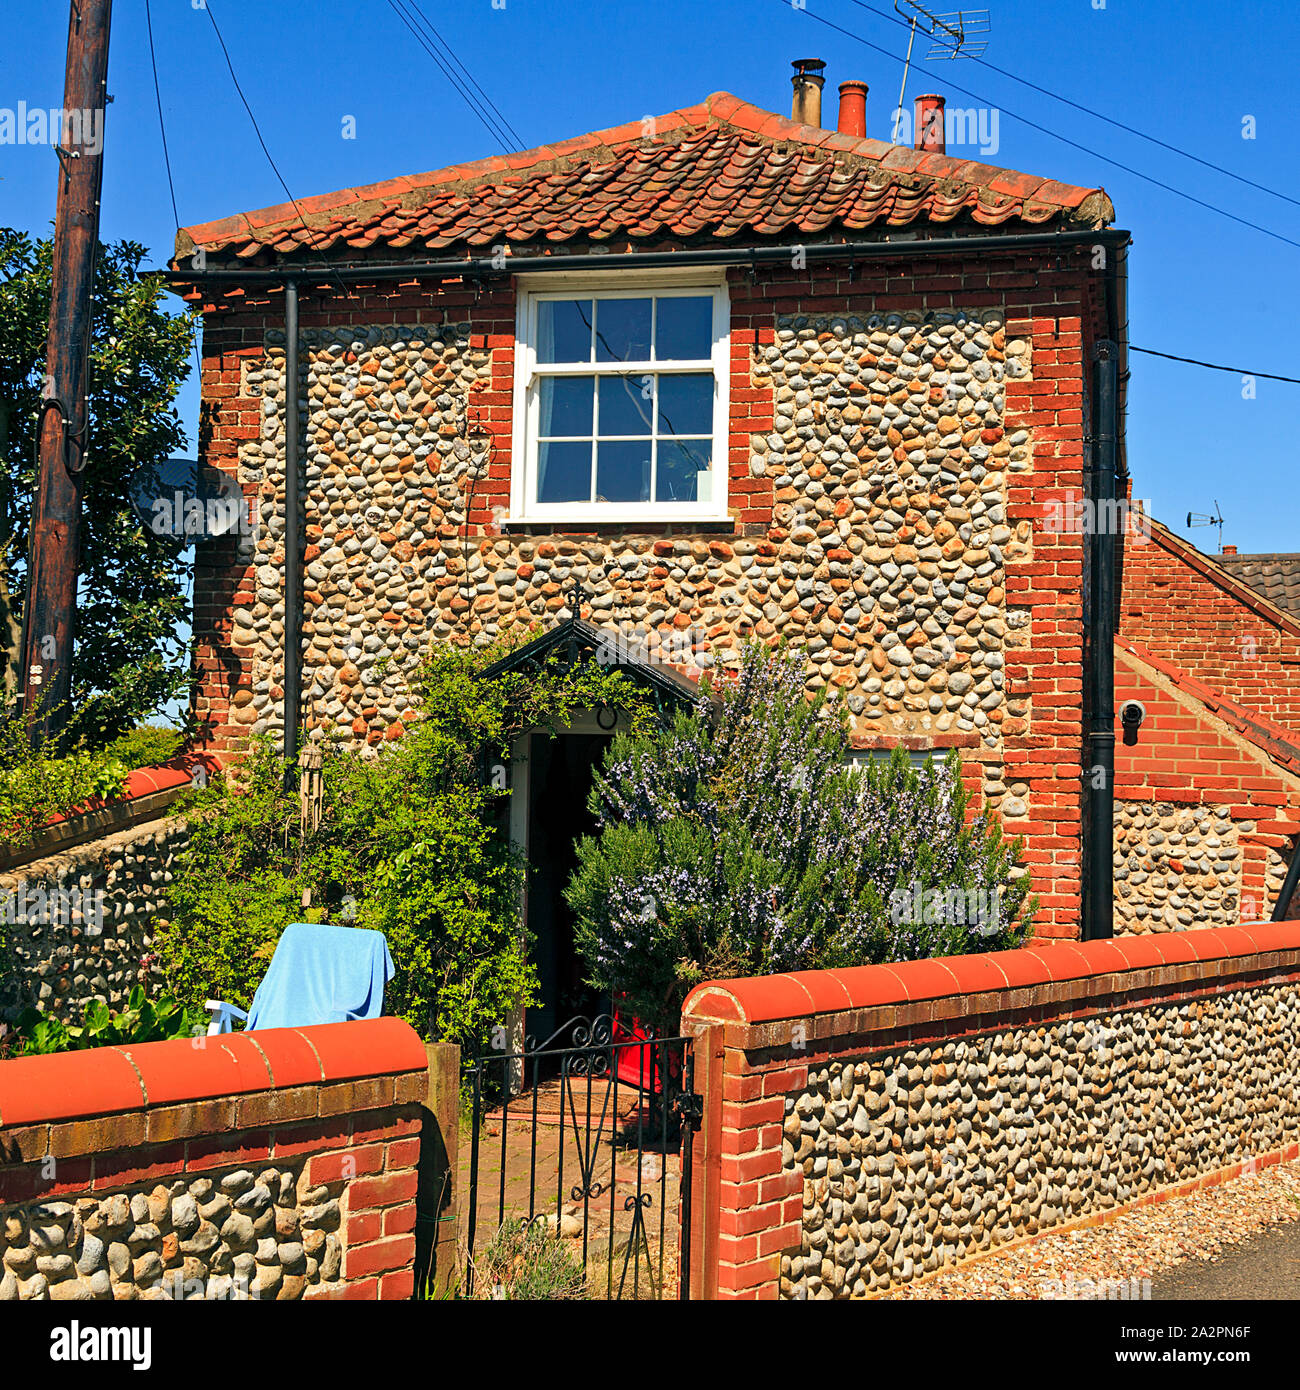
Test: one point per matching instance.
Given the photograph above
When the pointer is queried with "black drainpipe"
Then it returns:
(1288, 887)
(292, 548)
(1099, 885)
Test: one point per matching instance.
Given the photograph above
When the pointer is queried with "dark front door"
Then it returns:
(558, 783)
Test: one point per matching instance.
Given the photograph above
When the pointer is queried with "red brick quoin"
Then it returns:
(343, 1099)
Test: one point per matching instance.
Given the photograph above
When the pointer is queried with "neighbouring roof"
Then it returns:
(1214, 568)
(1275, 575)
(722, 169)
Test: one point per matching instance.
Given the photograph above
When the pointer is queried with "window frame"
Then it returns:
(528, 373)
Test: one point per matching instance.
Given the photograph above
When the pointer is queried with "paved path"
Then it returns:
(1264, 1267)
(575, 1166)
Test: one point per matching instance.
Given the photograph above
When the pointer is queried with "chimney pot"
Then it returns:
(853, 110)
(929, 124)
(1229, 550)
(808, 82)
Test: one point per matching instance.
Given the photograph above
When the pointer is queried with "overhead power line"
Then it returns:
(1099, 115)
(1055, 135)
(497, 128)
(162, 128)
(469, 76)
(257, 130)
(1215, 367)
(167, 162)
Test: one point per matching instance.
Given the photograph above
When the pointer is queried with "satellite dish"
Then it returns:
(185, 500)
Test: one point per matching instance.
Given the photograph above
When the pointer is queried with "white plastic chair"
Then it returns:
(223, 1016)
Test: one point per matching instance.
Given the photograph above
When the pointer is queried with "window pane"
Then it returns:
(623, 471)
(684, 329)
(564, 472)
(686, 404)
(565, 406)
(622, 330)
(564, 330)
(680, 463)
(626, 404)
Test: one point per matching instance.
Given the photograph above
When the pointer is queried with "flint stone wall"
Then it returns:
(923, 1157)
(60, 964)
(236, 1235)
(887, 456)
(280, 1164)
(1176, 866)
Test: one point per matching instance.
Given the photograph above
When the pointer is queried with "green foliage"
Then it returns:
(129, 660)
(141, 1021)
(147, 745)
(412, 841)
(525, 1262)
(738, 841)
(36, 785)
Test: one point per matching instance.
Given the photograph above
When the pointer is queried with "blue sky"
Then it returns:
(1190, 73)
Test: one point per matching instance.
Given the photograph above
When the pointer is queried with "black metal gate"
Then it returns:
(580, 1150)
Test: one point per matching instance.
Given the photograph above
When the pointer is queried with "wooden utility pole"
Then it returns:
(53, 554)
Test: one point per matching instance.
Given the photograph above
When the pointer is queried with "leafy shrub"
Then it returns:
(147, 745)
(738, 841)
(412, 841)
(37, 783)
(526, 1262)
(141, 1021)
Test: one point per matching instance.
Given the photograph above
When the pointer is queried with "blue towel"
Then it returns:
(322, 974)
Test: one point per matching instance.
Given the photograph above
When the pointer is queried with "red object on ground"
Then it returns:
(638, 1060)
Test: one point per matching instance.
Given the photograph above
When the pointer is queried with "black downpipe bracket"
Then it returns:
(1099, 885)
(292, 530)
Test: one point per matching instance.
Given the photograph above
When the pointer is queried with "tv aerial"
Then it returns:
(1214, 518)
(955, 34)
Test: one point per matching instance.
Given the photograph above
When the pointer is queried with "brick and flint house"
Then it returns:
(736, 375)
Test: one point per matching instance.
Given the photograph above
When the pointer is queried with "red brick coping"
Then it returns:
(1043, 979)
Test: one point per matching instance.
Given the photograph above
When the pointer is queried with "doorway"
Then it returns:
(558, 783)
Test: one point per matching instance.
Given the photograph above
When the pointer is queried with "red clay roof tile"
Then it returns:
(719, 168)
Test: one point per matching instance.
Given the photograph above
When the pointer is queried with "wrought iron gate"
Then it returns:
(585, 1138)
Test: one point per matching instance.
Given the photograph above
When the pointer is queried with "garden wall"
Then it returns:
(79, 924)
(865, 1127)
(280, 1164)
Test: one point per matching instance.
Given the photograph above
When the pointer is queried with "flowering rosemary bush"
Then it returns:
(738, 841)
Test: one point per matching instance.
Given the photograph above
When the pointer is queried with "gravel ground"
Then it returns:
(1114, 1260)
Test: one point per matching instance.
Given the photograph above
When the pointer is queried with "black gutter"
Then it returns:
(1099, 647)
(489, 267)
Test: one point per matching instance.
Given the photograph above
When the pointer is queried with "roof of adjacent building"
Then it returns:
(1216, 568)
(1273, 740)
(1275, 575)
(721, 170)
